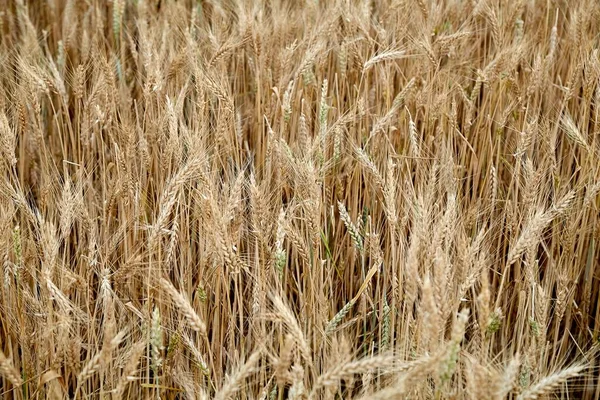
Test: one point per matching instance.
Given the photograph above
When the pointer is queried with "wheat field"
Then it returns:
(311, 199)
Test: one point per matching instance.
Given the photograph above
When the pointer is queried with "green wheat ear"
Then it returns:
(118, 10)
(61, 55)
(16, 237)
(280, 260)
(494, 322)
(201, 293)
(273, 394)
(156, 340)
(450, 364)
(353, 230)
(524, 377)
(335, 321)
(174, 341)
(385, 330)
(323, 108)
(535, 327)
(458, 331)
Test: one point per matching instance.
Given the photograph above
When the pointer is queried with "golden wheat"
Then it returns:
(307, 199)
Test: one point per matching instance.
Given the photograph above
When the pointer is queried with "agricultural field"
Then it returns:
(310, 199)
